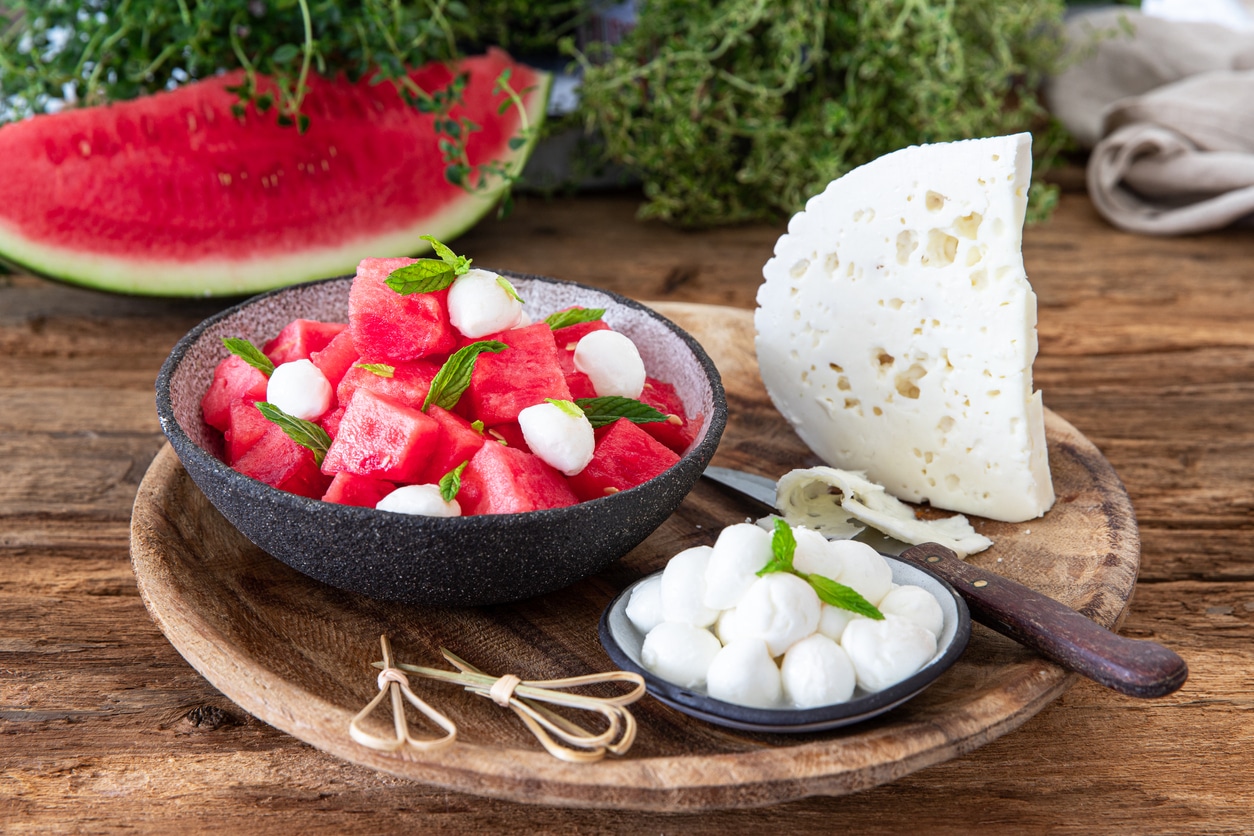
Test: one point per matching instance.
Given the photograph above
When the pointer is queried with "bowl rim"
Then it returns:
(793, 720)
(700, 452)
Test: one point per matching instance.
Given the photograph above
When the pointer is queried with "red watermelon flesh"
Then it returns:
(676, 432)
(247, 427)
(282, 463)
(625, 456)
(336, 358)
(331, 421)
(580, 385)
(233, 380)
(382, 439)
(300, 338)
(392, 328)
(503, 480)
(458, 442)
(409, 383)
(172, 195)
(511, 434)
(525, 373)
(351, 489)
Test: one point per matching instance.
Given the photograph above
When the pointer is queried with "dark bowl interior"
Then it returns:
(623, 642)
(468, 561)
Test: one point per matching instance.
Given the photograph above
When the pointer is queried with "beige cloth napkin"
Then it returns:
(1168, 109)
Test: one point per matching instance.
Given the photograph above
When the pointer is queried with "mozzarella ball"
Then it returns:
(300, 389)
(727, 627)
(740, 551)
(420, 500)
(814, 555)
(834, 620)
(744, 673)
(780, 609)
(561, 439)
(886, 652)
(644, 607)
(479, 305)
(683, 588)
(916, 604)
(817, 671)
(612, 362)
(679, 653)
(864, 569)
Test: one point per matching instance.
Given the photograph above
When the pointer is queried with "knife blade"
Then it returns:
(1134, 667)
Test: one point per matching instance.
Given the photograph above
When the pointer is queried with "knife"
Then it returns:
(1134, 667)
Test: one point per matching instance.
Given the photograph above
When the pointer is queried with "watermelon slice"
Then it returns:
(503, 480)
(171, 195)
(300, 338)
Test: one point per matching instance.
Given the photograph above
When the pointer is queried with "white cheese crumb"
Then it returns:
(300, 389)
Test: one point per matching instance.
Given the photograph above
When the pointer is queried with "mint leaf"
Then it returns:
(459, 263)
(250, 354)
(426, 275)
(509, 289)
(607, 410)
(380, 369)
(783, 548)
(845, 597)
(454, 376)
(574, 316)
(451, 482)
(305, 433)
(477, 426)
(566, 406)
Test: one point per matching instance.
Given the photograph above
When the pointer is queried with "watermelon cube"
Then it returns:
(382, 439)
(282, 463)
(247, 427)
(351, 489)
(505, 480)
(625, 456)
(509, 434)
(458, 442)
(580, 385)
(567, 338)
(408, 384)
(331, 421)
(300, 338)
(524, 374)
(392, 328)
(676, 432)
(336, 358)
(233, 380)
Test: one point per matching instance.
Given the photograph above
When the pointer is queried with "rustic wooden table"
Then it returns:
(1146, 346)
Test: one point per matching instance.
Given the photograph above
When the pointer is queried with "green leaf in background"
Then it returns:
(250, 354)
(305, 433)
(573, 316)
(454, 376)
(608, 409)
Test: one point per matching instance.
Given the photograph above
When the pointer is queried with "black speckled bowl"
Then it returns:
(459, 561)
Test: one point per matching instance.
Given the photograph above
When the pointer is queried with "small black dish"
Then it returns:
(622, 642)
(462, 561)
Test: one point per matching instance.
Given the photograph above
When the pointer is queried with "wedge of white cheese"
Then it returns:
(896, 328)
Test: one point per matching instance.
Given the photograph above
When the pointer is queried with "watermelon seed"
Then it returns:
(84, 147)
(224, 178)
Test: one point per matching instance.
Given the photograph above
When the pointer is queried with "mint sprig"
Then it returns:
(305, 433)
(607, 410)
(509, 289)
(784, 548)
(454, 376)
(380, 369)
(427, 275)
(570, 408)
(250, 354)
(451, 482)
(573, 316)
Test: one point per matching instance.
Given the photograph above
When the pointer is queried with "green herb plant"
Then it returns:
(784, 547)
(741, 110)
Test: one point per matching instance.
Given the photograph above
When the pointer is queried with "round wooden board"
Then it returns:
(296, 653)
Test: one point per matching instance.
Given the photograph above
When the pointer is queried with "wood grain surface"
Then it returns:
(1147, 348)
(296, 654)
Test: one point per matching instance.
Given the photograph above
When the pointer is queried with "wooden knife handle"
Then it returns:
(1129, 666)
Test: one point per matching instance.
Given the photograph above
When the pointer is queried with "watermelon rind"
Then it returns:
(145, 272)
